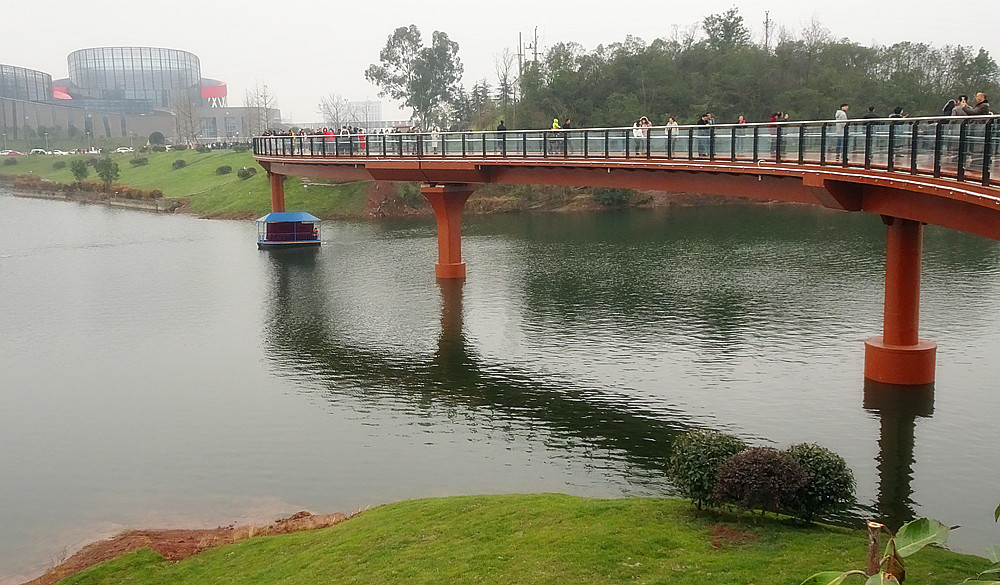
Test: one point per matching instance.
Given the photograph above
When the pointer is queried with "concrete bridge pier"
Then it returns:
(899, 356)
(277, 191)
(448, 202)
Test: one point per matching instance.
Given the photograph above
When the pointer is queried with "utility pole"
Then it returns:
(535, 45)
(767, 32)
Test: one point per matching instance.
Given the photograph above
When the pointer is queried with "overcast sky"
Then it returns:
(304, 50)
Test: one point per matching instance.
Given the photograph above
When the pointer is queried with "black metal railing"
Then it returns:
(963, 148)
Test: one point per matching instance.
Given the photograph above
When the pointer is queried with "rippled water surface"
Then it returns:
(161, 371)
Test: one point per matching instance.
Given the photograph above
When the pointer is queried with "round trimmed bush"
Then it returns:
(203, 149)
(157, 138)
(830, 486)
(179, 164)
(246, 172)
(138, 162)
(158, 148)
(760, 478)
(695, 459)
(224, 170)
(9, 161)
(180, 147)
(59, 164)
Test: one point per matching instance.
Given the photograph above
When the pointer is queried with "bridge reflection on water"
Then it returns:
(299, 328)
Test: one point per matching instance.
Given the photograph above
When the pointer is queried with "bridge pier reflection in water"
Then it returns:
(898, 408)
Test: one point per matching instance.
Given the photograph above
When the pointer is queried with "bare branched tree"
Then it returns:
(263, 106)
(336, 111)
(188, 122)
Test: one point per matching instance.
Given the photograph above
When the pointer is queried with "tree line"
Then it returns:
(714, 67)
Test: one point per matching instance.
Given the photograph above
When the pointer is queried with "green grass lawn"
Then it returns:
(210, 194)
(533, 539)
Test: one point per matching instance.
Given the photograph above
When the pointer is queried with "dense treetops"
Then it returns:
(717, 68)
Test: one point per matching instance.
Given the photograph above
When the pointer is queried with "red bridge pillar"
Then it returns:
(448, 202)
(899, 356)
(277, 191)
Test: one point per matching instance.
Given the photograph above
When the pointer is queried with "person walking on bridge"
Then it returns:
(841, 116)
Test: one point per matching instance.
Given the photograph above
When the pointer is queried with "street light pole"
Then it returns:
(5, 141)
(46, 141)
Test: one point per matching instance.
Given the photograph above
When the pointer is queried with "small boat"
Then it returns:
(287, 229)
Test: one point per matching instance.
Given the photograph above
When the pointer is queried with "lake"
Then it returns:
(160, 371)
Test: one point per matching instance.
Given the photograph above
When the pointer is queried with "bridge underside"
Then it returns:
(905, 203)
(962, 206)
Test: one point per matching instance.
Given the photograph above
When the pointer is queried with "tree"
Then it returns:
(107, 170)
(79, 169)
(726, 31)
(506, 91)
(336, 111)
(263, 106)
(157, 138)
(424, 78)
(188, 122)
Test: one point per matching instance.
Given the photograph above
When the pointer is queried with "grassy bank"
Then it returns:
(208, 193)
(551, 539)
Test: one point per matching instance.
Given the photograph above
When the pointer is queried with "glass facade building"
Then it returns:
(25, 84)
(141, 75)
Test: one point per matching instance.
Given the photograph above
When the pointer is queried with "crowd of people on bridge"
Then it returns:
(960, 106)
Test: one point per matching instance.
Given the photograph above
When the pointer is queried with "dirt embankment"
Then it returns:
(175, 545)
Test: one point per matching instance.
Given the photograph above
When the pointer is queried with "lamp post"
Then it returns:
(90, 144)
(5, 141)
(46, 141)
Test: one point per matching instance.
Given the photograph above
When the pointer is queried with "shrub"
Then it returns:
(240, 148)
(224, 170)
(107, 170)
(203, 149)
(59, 164)
(613, 197)
(246, 172)
(156, 138)
(158, 148)
(830, 483)
(760, 478)
(9, 161)
(79, 169)
(180, 147)
(138, 162)
(695, 458)
(92, 161)
(179, 164)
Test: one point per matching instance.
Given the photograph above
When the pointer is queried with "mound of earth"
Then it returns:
(175, 545)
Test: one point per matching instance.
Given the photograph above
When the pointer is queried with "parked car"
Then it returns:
(124, 149)
(10, 153)
(60, 152)
(38, 151)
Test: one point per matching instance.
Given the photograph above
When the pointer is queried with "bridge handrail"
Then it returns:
(960, 147)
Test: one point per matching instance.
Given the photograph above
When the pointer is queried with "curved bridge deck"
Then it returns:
(942, 171)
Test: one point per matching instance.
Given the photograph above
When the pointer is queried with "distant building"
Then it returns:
(24, 84)
(116, 92)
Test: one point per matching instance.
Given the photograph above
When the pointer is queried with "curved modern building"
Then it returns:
(142, 76)
(24, 84)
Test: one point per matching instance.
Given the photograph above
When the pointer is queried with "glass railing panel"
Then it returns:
(812, 139)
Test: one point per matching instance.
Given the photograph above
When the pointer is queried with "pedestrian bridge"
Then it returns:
(910, 171)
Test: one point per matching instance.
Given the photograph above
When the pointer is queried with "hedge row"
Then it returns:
(806, 480)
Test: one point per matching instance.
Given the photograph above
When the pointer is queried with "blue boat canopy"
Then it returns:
(287, 216)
